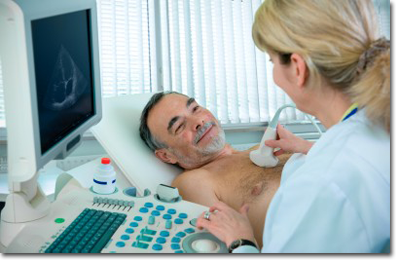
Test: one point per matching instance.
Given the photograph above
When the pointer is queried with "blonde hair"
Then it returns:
(331, 36)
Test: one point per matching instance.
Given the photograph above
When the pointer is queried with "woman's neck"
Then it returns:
(330, 107)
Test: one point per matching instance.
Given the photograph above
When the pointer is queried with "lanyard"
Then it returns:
(351, 113)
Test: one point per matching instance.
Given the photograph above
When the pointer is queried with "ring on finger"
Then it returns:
(207, 215)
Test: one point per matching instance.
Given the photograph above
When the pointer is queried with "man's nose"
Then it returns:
(198, 123)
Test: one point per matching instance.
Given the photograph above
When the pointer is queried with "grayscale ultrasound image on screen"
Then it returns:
(64, 77)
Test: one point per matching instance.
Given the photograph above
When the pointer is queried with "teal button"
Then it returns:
(140, 245)
(143, 210)
(151, 220)
(175, 246)
(129, 230)
(120, 244)
(157, 247)
(189, 230)
(175, 240)
(171, 211)
(160, 208)
(168, 224)
(178, 251)
(178, 221)
(144, 238)
(134, 224)
(167, 216)
(155, 213)
(180, 234)
(161, 240)
(138, 218)
(148, 231)
(125, 237)
(183, 215)
(164, 233)
(148, 205)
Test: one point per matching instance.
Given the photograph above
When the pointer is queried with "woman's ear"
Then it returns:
(165, 156)
(301, 69)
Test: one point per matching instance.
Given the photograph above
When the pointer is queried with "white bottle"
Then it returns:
(104, 179)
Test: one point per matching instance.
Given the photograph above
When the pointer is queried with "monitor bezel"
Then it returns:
(46, 9)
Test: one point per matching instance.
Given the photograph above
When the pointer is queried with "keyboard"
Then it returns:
(88, 233)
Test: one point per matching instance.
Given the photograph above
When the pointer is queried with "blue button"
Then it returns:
(175, 246)
(168, 224)
(171, 211)
(164, 233)
(151, 220)
(155, 213)
(160, 208)
(178, 221)
(148, 205)
(138, 218)
(183, 215)
(178, 251)
(129, 230)
(189, 230)
(161, 240)
(157, 247)
(175, 240)
(143, 210)
(134, 224)
(167, 216)
(180, 234)
(120, 244)
(125, 237)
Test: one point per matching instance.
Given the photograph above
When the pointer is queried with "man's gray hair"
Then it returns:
(144, 130)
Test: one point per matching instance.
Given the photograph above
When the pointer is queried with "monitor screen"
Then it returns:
(64, 75)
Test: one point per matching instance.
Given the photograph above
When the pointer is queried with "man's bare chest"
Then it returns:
(238, 180)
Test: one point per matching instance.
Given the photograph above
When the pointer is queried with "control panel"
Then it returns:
(137, 224)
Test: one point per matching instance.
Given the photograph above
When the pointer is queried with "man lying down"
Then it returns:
(181, 132)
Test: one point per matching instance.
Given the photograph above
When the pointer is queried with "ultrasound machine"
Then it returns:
(50, 59)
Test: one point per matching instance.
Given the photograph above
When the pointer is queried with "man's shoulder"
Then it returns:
(193, 176)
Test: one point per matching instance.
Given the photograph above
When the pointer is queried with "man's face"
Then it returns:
(192, 133)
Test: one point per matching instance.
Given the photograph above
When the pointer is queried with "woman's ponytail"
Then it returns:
(372, 90)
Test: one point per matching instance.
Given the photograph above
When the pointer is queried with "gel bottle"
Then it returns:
(104, 179)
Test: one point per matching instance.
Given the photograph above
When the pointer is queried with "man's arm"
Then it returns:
(197, 187)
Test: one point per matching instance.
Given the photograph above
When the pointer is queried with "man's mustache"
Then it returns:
(201, 131)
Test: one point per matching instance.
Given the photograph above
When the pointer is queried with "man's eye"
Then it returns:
(196, 108)
(179, 127)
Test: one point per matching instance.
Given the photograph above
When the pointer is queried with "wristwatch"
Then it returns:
(241, 242)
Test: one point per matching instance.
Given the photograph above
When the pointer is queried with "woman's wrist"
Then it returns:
(306, 146)
(231, 240)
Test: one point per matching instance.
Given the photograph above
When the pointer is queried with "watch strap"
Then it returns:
(241, 242)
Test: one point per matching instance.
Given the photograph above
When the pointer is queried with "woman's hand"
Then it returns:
(227, 224)
(288, 142)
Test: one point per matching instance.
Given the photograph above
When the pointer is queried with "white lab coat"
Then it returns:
(336, 199)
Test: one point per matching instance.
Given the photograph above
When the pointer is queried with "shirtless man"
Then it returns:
(182, 132)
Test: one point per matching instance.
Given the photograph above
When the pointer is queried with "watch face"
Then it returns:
(241, 242)
(235, 244)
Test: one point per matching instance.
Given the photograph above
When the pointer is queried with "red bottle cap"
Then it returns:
(105, 160)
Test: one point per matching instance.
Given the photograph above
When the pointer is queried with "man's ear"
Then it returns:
(166, 156)
(301, 69)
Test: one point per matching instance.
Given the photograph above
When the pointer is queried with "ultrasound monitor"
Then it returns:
(63, 74)
(51, 78)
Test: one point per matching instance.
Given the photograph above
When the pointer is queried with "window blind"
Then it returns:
(124, 47)
(212, 57)
(209, 54)
(206, 52)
